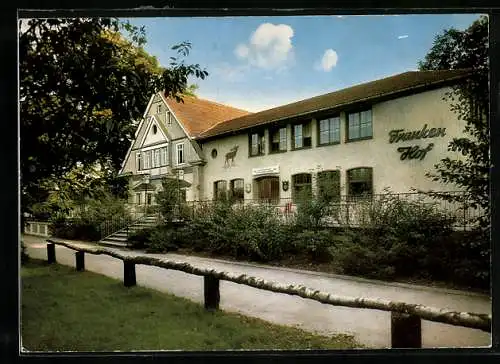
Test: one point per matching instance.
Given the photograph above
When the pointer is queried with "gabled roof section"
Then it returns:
(198, 115)
(389, 87)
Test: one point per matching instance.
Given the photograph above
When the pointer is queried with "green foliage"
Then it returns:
(140, 239)
(404, 239)
(170, 200)
(313, 210)
(247, 232)
(82, 85)
(86, 225)
(456, 49)
(316, 243)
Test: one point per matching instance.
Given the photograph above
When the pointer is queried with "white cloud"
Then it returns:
(402, 36)
(230, 73)
(242, 51)
(328, 61)
(270, 46)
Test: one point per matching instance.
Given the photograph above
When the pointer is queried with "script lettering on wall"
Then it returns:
(398, 135)
(415, 151)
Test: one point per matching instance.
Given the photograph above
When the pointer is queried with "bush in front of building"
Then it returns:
(317, 244)
(140, 239)
(257, 233)
(394, 239)
(86, 224)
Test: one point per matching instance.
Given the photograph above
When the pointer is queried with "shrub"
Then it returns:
(86, 225)
(313, 210)
(257, 233)
(140, 239)
(251, 232)
(317, 244)
(163, 240)
(396, 239)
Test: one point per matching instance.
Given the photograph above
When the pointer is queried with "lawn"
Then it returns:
(65, 310)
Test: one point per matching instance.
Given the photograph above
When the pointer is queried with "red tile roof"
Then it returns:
(389, 87)
(198, 115)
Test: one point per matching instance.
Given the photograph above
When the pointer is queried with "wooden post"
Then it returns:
(51, 253)
(129, 274)
(212, 292)
(406, 331)
(80, 261)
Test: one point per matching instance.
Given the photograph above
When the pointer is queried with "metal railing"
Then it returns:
(354, 211)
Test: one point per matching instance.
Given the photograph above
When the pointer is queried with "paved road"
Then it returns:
(370, 327)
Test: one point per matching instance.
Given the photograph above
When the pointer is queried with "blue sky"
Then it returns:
(256, 63)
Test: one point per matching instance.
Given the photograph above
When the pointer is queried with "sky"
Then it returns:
(256, 63)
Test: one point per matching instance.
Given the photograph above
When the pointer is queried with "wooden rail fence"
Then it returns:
(406, 327)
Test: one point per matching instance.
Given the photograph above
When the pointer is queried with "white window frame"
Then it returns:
(180, 148)
(138, 160)
(156, 158)
(147, 159)
(164, 156)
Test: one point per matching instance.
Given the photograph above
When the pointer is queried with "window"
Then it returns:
(180, 153)
(267, 189)
(138, 160)
(220, 189)
(237, 190)
(329, 131)
(163, 156)
(256, 144)
(156, 158)
(359, 182)
(328, 184)
(147, 159)
(138, 198)
(158, 108)
(149, 198)
(278, 140)
(155, 129)
(302, 186)
(214, 153)
(168, 118)
(302, 136)
(360, 125)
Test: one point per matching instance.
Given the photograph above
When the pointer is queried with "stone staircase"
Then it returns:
(119, 238)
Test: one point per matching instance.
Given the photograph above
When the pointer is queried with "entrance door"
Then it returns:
(268, 189)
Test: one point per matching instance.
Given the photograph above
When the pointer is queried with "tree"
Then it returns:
(470, 101)
(82, 86)
(468, 49)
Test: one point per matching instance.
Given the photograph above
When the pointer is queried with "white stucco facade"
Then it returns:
(204, 160)
(410, 113)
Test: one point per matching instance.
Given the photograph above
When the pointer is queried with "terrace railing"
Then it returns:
(353, 211)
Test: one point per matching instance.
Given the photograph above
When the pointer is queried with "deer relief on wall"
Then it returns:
(230, 157)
